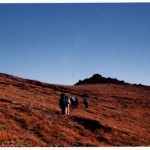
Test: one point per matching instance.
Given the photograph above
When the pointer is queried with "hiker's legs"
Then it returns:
(77, 105)
(63, 110)
(67, 110)
(74, 105)
(86, 105)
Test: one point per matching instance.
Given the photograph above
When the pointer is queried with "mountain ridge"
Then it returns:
(95, 79)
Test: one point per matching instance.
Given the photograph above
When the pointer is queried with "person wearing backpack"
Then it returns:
(68, 104)
(73, 102)
(76, 102)
(63, 104)
(86, 102)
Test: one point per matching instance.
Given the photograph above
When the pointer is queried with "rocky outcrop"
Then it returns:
(97, 78)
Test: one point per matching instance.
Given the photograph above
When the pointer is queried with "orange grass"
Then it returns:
(118, 115)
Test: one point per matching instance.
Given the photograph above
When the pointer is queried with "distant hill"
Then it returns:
(97, 78)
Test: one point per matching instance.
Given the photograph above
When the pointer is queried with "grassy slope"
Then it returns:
(118, 115)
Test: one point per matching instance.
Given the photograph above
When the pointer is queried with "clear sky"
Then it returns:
(63, 43)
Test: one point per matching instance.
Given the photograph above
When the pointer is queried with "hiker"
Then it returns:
(76, 102)
(68, 104)
(62, 104)
(73, 101)
(86, 102)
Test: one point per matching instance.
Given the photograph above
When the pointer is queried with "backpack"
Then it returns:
(77, 100)
(73, 99)
(62, 101)
(86, 100)
(67, 100)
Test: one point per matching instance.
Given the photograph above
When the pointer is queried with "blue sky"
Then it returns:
(63, 43)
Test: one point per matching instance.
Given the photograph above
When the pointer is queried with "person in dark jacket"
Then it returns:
(63, 104)
(76, 102)
(86, 102)
(68, 105)
(73, 102)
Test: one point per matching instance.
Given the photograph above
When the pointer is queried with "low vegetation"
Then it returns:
(118, 114)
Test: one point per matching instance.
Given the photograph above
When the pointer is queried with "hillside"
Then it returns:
(118, 114)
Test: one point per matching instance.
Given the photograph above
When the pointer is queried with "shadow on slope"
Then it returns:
(92, 125)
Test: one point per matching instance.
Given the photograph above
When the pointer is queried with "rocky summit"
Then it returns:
(97, 78)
